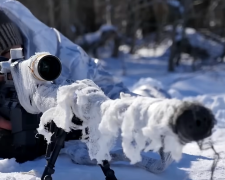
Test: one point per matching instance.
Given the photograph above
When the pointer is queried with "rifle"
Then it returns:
(193, 124)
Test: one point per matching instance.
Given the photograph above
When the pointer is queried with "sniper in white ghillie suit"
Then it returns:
(144, 123)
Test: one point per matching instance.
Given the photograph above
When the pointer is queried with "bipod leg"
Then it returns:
(109, 173)
(60, 136)
(50, 146)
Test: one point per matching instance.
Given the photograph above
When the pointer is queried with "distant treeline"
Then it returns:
(76, 17)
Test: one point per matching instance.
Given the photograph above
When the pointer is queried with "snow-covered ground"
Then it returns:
(138, 72)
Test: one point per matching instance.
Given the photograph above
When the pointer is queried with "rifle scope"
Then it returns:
(46, 67)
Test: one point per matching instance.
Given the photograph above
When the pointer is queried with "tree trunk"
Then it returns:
(51, 12)
(173, 50)
(64, 18)
(108, 13)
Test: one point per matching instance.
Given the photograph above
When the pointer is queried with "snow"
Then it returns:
(205, 86)
(150, 87)
(95, 36)
(176, 4)
(196, 39)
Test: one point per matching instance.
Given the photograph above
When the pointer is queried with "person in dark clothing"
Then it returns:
(10, 38)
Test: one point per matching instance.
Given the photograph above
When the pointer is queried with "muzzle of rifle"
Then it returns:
(194, 124)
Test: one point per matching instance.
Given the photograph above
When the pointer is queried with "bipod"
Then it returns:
(52, 153)
(109, 173)
(53, 149)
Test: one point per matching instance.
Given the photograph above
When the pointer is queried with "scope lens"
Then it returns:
(49, 68)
